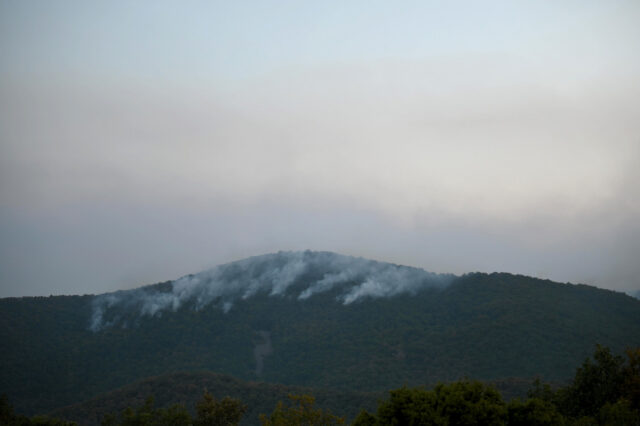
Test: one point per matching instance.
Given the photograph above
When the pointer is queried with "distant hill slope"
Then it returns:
(309, 319)
(187, 389)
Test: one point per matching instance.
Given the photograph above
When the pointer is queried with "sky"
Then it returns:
(143, 141)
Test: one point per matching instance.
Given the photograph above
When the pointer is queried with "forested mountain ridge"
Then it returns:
(321, 319)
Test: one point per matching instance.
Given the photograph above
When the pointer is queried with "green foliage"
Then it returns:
(533, 412)
(186, 388)
(409, 407)
(601, 393)
(619, 413)
(631, 374)
(471, 403)
(542, 391)
(604, 391)
(176, 415)
(226, 412)
(6, 410)
(595, 384)
(300, 411)
(365, 418)
(458, 403)
(148, 415)
(209, 412)
(9, 418)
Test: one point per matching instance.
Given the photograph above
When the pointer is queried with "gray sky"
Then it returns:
(141, 141)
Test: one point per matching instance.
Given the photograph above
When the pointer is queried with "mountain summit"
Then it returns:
(297, 275)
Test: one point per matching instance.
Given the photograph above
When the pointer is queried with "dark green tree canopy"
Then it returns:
(459, 403)
(226, 412)
(300, 411)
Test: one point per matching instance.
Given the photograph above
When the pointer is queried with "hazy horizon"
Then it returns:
(143, 142)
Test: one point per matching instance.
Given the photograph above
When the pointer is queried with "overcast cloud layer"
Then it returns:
(140, 143)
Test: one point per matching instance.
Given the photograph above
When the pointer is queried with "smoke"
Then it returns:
(298, 275)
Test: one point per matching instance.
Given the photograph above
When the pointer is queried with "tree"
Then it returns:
(175, 415)
(533, 412)
(409, 407)
(604, 391)
(631, 374)
(6, 411)
(459, 403)
(9, 418)
(543, 391)
(364, 419)
(209, 411)
(226, 412)
(619, 413)
(471, 403)
(595, 384)
(301, 411)
(148, 415)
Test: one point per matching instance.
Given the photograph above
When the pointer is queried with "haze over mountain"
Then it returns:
(306, 273)
(314, 319)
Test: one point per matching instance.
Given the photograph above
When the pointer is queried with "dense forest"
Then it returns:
(605, 390)
(187, 389)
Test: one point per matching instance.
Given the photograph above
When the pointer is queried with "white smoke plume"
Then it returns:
(299, 275)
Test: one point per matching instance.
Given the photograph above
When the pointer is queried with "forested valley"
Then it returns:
(605, 390)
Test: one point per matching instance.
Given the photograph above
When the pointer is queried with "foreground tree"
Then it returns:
(631, 374)
(301, 411)
(9, 418)
(226, 412)
(533, 412)
(604, 391)
(148, 415)
(460, 403)
(595, 384)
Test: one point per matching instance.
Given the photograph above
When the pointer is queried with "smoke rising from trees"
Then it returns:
(295, 274)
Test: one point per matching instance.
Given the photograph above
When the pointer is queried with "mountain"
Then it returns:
(313, 319)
